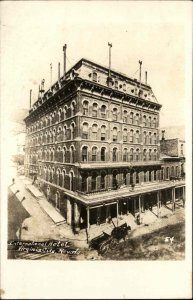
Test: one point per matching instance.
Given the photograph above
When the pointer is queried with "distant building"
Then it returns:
(172, 153)
(91, 138)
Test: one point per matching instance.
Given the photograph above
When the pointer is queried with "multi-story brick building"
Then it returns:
(90, 137)
(173, 156)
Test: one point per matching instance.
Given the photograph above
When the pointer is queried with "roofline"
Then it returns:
(80, 62)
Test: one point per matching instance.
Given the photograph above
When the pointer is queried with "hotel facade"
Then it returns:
(93, 144)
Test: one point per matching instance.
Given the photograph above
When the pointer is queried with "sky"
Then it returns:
(33, 34)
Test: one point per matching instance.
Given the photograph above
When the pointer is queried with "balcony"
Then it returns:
(110, 164)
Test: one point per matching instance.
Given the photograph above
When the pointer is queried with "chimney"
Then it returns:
(58, 72)
(145, 77)
(30, 99)
(163, 138)
(109, 79)
(140, 63)
(64, 49)
(50, 74)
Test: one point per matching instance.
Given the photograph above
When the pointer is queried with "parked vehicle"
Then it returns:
(103, 242)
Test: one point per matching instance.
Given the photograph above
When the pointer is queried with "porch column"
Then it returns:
(69, 212)
(134, 206)
(139, 205)
(173, 200)
(107, 213)
(98, 215)
(183, 195)
(88, 218)
(117, 212)
(76, 217)
(158, 204)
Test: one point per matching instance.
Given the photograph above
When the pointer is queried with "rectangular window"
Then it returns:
(124, 138)
(94, 113)
(102, 136)
(85, 135)
(114, 138)
(85, 111)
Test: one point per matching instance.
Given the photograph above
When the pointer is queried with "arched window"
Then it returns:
(154, 123)
(72, 109)
(85, 131)
(59, 155)
(94, 154)
(137, 155)
(94, 109)
(64, 155)
(64, 133)
(114, 134)
(131, 136)
(131, 117)
(145, 154)
(84, 154)
(85, 108)
(150, 138)
(149, 154)
(54, 135)
(124, 87)
(59, 137)
(84, 182)
(71, 175)
(103, 154)
(58, 177)
(103, 175)
(114, 154)
(93, 181)
(116, 84)
(125, 116)
(59, 114)
(131, 154)
(65, 111)
(125, 154)
(103, 111)
(145, 137)
(49, 170)
(150, 122)
(52, 175)
(137, 140)
(145, 176)
(114, 114)
(177, 171)
(103, 133)
(181, 149)
(172, 171)
(155, 138)
(94, 131)
(95, 76)
(155, 154)
(72, 131)
(167, 173)
(124, 135)
(72, 154)
(137, 119)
